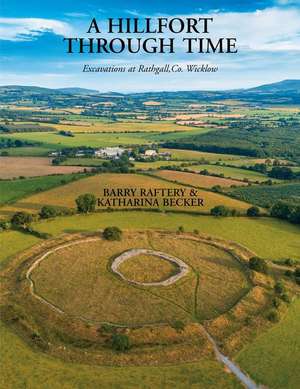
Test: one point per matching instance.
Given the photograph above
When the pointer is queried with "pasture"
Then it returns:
(230, 172)
(273, 357)
(255, 233)
(12, 190)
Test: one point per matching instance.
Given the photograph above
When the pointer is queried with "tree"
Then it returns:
(48, 211)
(282, 173)
(86, 203)
(220, 210)
(279, 287)
(120, 342)
(253, 211)
(258, 264)
(21, 219)
(281, 210)
(112, 233)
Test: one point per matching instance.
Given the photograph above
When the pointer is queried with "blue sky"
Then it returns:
(32, 51)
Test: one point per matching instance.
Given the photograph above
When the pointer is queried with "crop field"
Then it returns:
(267, 195)
(12, 190)
(65, 195)
(229, 172)
(194, 179)
(11, 167)
(274, 355)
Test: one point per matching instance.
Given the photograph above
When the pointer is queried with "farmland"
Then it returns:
(12, 190)
(11, 167)
(65, 195)
(229, 172)
(199, 180)
(267, 195)
(67, 318)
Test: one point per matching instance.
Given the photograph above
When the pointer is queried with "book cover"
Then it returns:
(150, 194)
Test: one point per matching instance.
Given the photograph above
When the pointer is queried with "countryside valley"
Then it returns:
(108, 294)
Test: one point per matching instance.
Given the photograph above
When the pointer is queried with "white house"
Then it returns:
(109, 152)
(150, 153)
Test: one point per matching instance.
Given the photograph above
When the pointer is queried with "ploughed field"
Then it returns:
(78, 280)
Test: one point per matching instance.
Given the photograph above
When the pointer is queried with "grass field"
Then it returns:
(27, 151)
(11, 167)
(100, 295)
(256, 234)
(50, 139)
(156, 164)
(194, 179)
(23, 367)
(147, 268)
(66, 195)
(83, 162)
(119, 127)
(12, 190)
(274, 356)
(230, 172)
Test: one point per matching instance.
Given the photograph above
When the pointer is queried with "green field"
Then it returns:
(50, 140)
(83, 162)
(21, 367)
(33, 151)
(273, 358)
(12, 190)
(156, 164)
(256, 234)
(267, 195)
(230, 172)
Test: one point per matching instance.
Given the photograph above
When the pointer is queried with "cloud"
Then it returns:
(76, 14)
(26, 29)
(271, 29)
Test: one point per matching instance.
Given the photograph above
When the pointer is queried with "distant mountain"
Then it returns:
(281, 86)
(283, 92)
(78, 91)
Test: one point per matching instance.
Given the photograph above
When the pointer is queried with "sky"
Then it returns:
(32, 51)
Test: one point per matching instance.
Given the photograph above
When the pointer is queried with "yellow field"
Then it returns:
(198, 155)
(147, 268)
(66, 195)
(118, 127)
(99, 295)
(196, 179)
